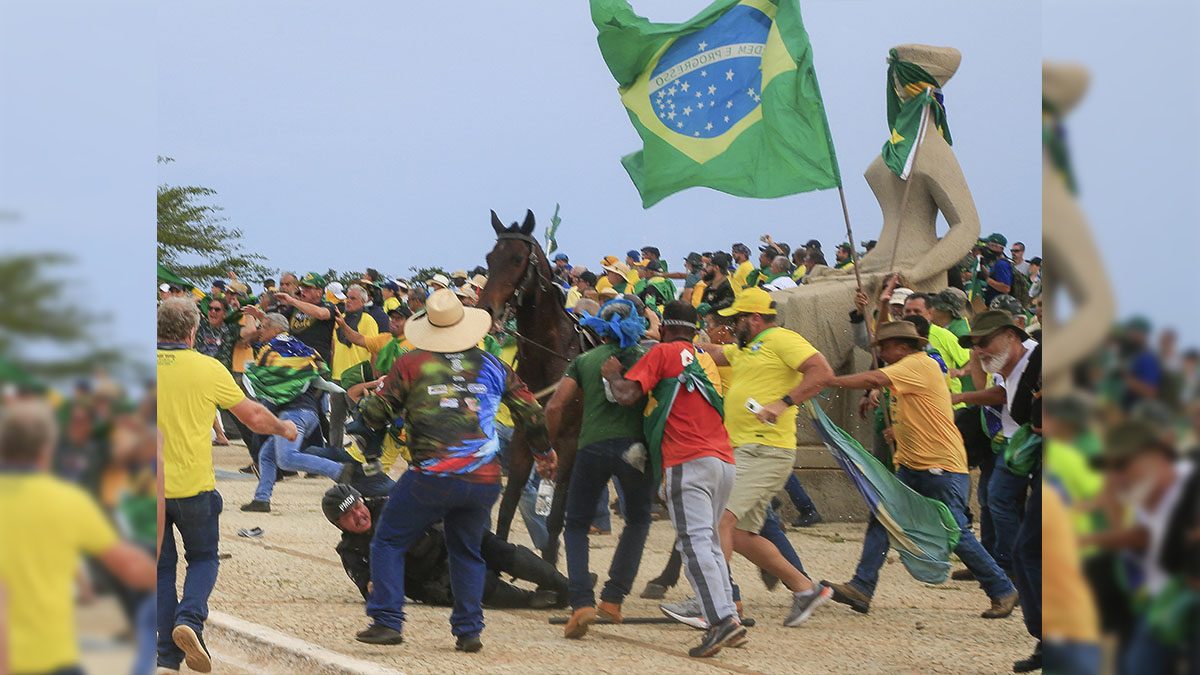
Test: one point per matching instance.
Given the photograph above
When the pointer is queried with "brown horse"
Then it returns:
(519, 279)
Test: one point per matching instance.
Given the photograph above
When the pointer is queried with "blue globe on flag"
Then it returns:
(706, 82)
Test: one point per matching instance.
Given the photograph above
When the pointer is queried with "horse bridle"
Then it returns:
(523, 293)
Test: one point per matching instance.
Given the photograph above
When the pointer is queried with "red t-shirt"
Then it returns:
(694, 429)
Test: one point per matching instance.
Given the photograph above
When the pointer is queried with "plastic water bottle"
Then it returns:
(545, 495)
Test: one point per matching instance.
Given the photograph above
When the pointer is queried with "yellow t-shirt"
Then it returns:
(922, 417)
(45, 525)
(632, 276)
(740, 275)
(345, 356)
(698, 293)
(1068, 606)
(573, 297)
(508, 354)
(602, 283)
(391, 303)
(765, 370)
(799, 273)
(191, 386)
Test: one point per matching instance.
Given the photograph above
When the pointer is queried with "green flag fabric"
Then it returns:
(727, 100)
(920, 528)
(662, 399)
(552, 232)
(285, 369)
(909, 119)
(166, 275)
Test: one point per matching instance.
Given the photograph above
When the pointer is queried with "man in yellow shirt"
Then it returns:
(191, 386)
(774, 370)
(930, 459)
(740, 277)
(45, 525)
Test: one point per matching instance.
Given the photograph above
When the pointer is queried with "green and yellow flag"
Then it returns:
(727, 100)
(908, 118)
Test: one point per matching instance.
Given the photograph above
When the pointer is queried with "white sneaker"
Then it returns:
(803, 605)
(687, 613)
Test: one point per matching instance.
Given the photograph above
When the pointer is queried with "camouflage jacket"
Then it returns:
(448, 403)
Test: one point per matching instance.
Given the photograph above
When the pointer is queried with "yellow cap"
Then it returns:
(751, 301)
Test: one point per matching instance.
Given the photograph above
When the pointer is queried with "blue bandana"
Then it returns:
(627, 331)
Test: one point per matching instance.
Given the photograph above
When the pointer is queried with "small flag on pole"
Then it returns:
(552, 232)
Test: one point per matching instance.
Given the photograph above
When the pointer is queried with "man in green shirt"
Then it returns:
(611, 446)
(946, 311)
(654, 290)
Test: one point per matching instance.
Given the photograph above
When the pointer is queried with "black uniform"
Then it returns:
(427, 566)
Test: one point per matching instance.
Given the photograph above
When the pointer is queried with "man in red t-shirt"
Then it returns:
(697, 464)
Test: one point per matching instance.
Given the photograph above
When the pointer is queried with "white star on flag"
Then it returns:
(696, 134)
(699, 94)
(700, 105)
(712, 89)
(729, 75)
(702, 45)
(708, 126)
(727, 118)
(671, 91)
(671, 115)
(687, 111)
(750, 91)
(704, 73)
(711, 104)
(728, 104)
(685, 86)
(679, 125)
(756, 99)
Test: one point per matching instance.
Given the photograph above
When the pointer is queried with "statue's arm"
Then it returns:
(948, 188)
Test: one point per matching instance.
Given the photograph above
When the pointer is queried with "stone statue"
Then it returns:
(819, 309)
(1068, 245)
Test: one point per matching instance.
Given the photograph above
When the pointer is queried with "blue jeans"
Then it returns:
(371, 486)
(1145, 655)
(951, 489)
(595, 464)
(1006, 503)
(800, 499)
(147, 623)
(772, 531)
(987, 533)
(278, 451)
(1027, 561)
(1071, 658)
(417, 501)
(197, 519)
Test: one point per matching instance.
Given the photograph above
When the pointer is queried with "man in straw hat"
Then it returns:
(447, 390)
(930, 459)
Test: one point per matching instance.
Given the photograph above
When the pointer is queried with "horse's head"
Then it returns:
(512, 266)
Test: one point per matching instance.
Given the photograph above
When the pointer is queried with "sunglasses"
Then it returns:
(216, 309)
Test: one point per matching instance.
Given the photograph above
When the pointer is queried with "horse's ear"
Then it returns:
(527, 226)
(496, 224)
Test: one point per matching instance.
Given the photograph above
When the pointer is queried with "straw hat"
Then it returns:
(893, 330)
(478, 281)
(617, 266)
(447, 326)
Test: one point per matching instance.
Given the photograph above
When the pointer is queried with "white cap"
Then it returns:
(165, 288)
(900, 296)
(440, 279)
(336, 290)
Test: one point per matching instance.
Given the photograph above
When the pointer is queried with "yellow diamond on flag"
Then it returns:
(896, 137)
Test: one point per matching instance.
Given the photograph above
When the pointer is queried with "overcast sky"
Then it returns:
(1132, 146)
(381, 135)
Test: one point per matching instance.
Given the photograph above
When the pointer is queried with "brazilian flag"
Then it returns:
(727, 100)
(920, 528)
(285, 369)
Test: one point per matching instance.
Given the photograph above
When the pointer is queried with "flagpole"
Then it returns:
(853, 255)
(908, 186)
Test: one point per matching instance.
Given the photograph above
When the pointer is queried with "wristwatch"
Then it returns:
(787, 400)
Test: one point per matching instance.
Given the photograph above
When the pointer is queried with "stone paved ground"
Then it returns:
(291, 581)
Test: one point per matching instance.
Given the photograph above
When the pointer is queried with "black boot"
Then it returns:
(503, 595)
(1030, 664)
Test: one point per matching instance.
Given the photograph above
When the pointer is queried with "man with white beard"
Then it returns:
(1005, 352)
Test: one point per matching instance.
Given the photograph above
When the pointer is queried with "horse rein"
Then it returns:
(525, 286)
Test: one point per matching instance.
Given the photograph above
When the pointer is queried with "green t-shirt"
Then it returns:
(603, 420)
(959, 327)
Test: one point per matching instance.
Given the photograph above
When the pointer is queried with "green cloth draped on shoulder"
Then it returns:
(388, 355)
(662, 399)
(905, 116)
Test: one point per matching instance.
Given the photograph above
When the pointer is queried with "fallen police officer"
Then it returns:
(426, 562)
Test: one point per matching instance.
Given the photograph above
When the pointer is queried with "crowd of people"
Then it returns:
(426, 380)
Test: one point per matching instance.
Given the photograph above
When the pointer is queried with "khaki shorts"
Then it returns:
(762, 471)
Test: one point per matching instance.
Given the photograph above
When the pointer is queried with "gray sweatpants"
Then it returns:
(696, 495)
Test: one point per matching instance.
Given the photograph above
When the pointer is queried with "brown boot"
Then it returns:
(577, 627)
(962, 575)
(849, 595)
(1002, 607)
(610, 611)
